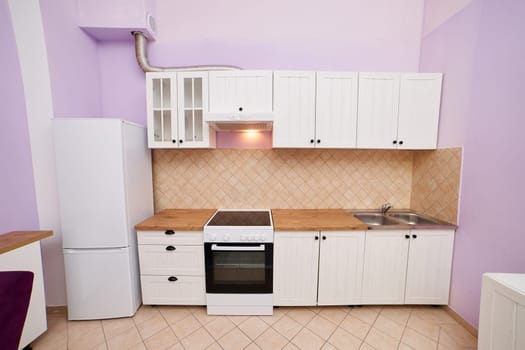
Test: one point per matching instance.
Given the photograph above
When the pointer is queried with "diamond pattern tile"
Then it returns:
(367, 327)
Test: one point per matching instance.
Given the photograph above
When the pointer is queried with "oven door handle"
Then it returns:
(259, 248)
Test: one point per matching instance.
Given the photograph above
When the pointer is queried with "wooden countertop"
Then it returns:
(16, 239)
(315, 220)
(177, 219)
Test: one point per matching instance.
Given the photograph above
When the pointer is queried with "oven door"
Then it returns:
(239, 268)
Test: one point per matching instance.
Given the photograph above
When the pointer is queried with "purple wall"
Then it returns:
(378, 35)
(481, 50)
(17, 190)
(73, 62)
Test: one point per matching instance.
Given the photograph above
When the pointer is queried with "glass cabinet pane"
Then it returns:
(166, 126)
(157, 126)
(199, 125)
(188, 125)
(188, 93)
(166, 93)
(197, 92)
(156, 93)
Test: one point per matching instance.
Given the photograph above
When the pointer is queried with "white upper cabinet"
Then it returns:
(176, 103)
(378, 110)
(336, 110)
(419, 102)
(161, 93)
(398, 111)
(294, 109)
(241, 91)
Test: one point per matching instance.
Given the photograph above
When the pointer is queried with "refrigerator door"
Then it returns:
(90, 173)
(101, 283)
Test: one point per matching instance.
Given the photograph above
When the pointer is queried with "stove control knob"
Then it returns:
(226, 237)
(213, 237)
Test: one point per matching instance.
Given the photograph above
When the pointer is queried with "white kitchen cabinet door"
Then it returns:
(384, 273)
(240, 91)
(170, 259)
(161, 103)
(173, 290)
(336, 110)
(294, 109)
(192, 89)
(295, 267)
(419, 102)
(378, 110)
(429, 267)
(341, 268)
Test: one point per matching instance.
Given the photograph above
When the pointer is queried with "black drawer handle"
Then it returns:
(324, 238)
(172, 278)
(316, 238)
(170, 248)
(170, 232)
(407, 236)
(414, 236)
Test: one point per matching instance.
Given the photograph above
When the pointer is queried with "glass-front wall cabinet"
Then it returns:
(176, 103)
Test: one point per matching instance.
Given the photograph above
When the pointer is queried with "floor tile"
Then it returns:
(417, 340)
(271, 340)
(328, 346)
(219, 327)
(197, 340)
(389, 327)
(380, 340)
(355, 326)
(306, 340)
(161, 340)
(365, 313)
(202, 316)
(138, 346)
(301, 315)
(53, 339)
(185, 327)
(321, 326)
(144, 313)
(429, 329)
(400, 314)
(341, 339)
(113, 327)
(238, 319)
(234, 340)
(334, 314)
(173, 314)
(433, 314)
(252, 346)
(253, 327)
(214, 346)
(152, 326)
(177, 346)
(403, 346)
(290, 346)
(85, 334)
(456, 335)
(124, 340)
(277, 314)
(288, 327)
(365, 346)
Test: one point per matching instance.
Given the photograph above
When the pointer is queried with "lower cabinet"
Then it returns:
(318, 268)
(171, 267)
(407, 267)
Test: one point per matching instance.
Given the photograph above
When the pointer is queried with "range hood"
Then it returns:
(240, 121)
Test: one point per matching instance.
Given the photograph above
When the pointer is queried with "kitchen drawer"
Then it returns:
(178, 238)
(186, 290)
(171, 259)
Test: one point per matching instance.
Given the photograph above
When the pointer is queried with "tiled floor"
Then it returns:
(172, 327)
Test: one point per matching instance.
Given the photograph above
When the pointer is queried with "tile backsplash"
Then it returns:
(427, 181)
(435, 183)
(281, 178)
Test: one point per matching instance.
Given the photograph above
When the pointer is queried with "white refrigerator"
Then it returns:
(105, 187)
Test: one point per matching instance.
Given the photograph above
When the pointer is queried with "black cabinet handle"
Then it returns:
(316, 238)
(172, 278)
(400, 142)
(170, 248)
(407, 236)
(414, 236)
(324, 238)
(394, 142)
(240, 109)
(318, 141)
(170, 232)
(311, 140)
(180, 141)
(174, 141)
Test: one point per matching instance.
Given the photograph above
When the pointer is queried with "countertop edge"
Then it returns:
(16, 239)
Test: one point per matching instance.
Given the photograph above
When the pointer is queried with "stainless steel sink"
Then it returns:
(412, 219)
(375, 219)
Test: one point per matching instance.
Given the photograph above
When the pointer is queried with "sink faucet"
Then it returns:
(386, 207)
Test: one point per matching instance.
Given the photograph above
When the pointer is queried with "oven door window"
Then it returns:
(239, 268)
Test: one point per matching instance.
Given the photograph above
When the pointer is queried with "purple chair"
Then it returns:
(15, 294)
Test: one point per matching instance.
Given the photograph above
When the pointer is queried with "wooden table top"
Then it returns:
(315, 220)
(16, 239)
(177, 219)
